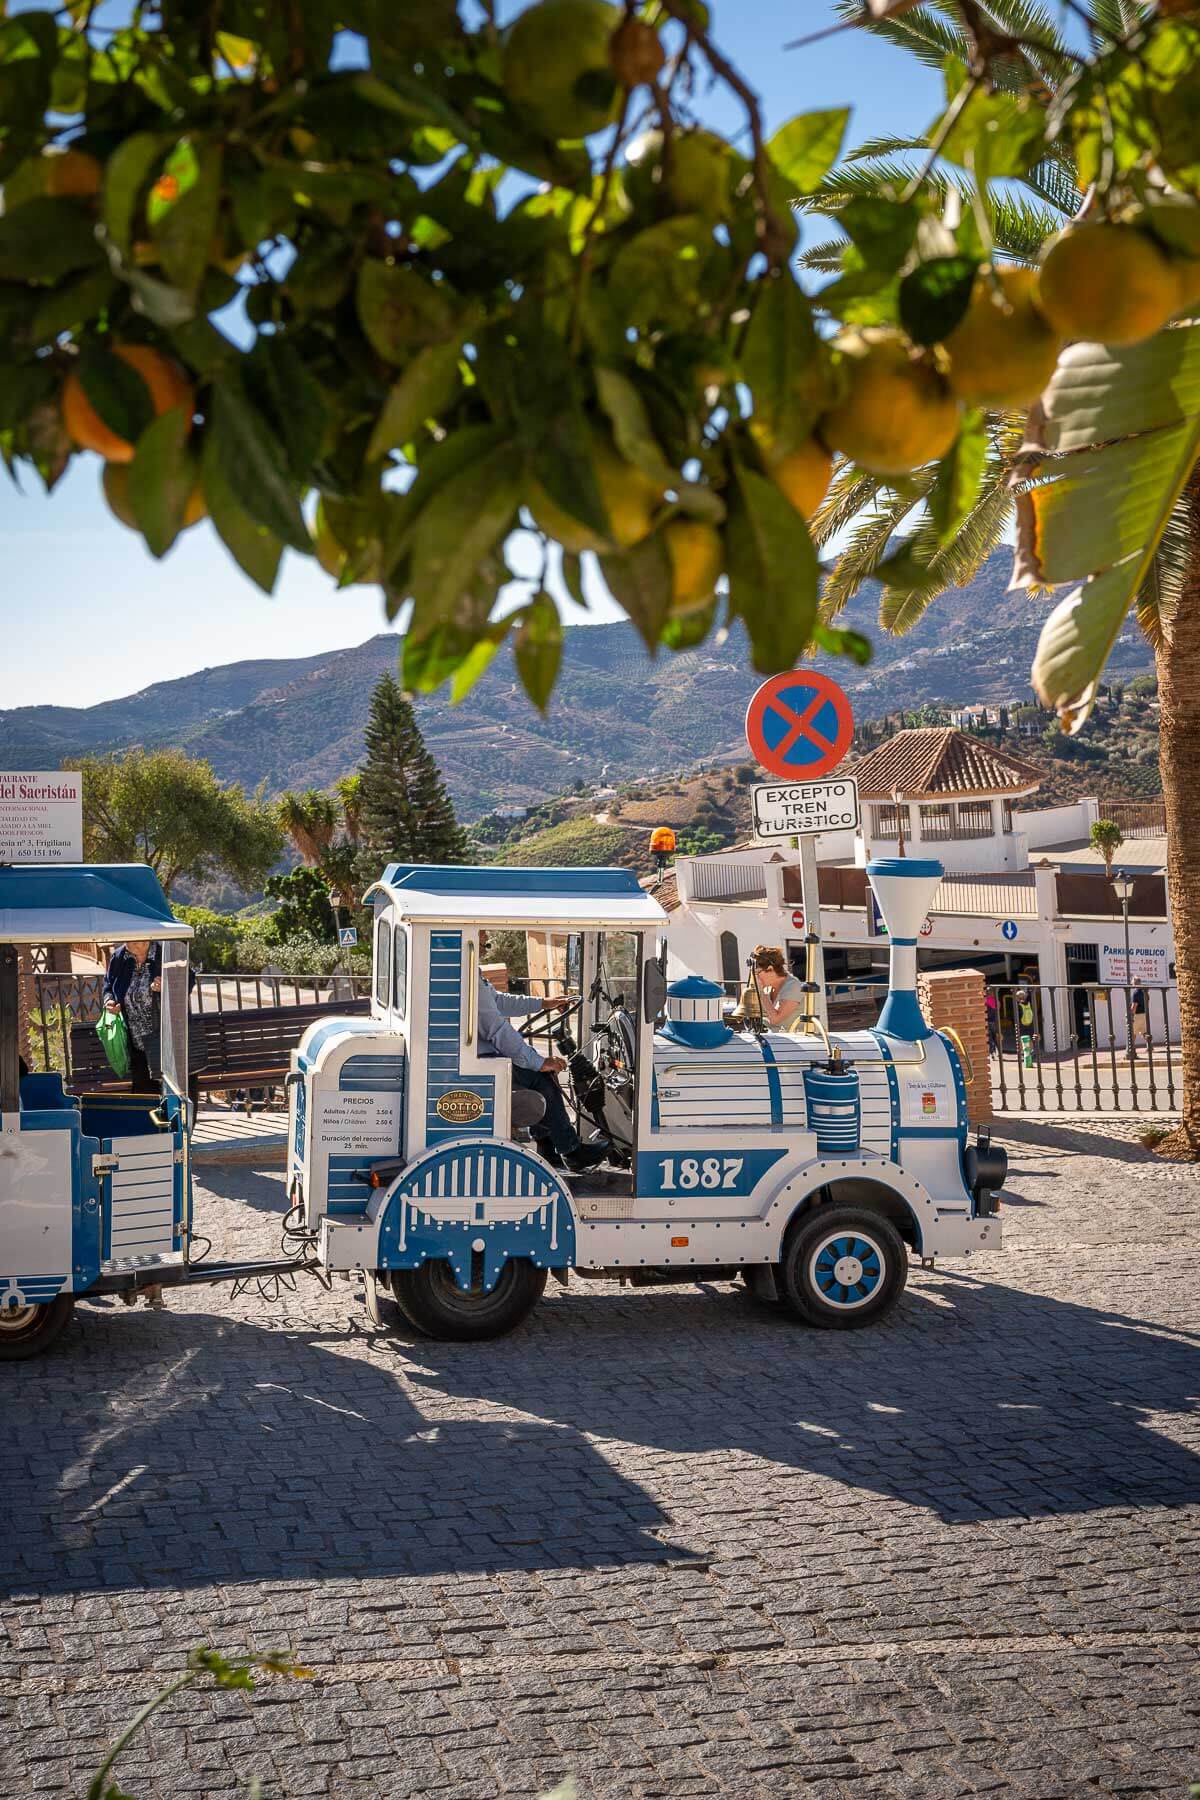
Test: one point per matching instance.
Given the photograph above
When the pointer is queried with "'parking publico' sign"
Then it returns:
(799, 809)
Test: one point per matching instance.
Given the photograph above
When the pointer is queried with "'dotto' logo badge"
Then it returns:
(460, 1107)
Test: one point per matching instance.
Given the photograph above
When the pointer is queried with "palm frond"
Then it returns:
(953, 564)
(929, 35)
(1053, 180)
(877, 526)
(1117, 17)
(1019, 227)
(852, 179)
(1161, 591)
(884, 147)
(826, 259)
(849, 492)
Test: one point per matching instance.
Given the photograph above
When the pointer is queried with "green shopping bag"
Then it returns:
(113, 1033)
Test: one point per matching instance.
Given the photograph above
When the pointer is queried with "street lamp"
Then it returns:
(1122, 882)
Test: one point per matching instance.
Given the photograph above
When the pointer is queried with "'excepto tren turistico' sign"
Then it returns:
(41, 816)
(799, 809)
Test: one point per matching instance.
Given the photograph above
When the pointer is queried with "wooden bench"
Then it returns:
(247, 1049)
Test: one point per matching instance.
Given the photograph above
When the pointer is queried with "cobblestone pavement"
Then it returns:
(665, 1541)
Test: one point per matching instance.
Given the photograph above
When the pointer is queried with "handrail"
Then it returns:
(963, 1053)
(472, 995)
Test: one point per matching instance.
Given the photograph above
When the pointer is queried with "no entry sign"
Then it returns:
(799, 725)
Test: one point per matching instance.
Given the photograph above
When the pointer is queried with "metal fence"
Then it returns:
(1083, 1047)
(57, 1002)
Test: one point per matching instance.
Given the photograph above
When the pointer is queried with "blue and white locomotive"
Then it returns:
(810, 1166)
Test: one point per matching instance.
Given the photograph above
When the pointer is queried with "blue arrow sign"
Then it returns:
(1009, 929)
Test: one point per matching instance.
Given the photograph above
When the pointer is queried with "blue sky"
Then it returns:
(86, 614)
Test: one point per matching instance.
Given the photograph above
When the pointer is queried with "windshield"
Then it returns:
(174, 1017)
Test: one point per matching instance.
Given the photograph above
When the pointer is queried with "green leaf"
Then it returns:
(640, 581)
(783, 365)
(632, 430)
(537, 649)
(996, 134)
(77, 302)
(529, 379)
(772, 571)
(255, 549)
(904, 571)
(882, 231)
(117, 392)
(806, 148)
(401, 312)
(657, 275)
(934, 296)
(840, 640)
(162, 477)
(1126, 426)
(254, 462)
(572, 574)
(427, 386)
(959, 478)
(23, 387)
(683, 631)
(184, 222)
(477, 661)
(439, 464)
(126, 176)
(290, 399)
(45, 239)
(460, 525)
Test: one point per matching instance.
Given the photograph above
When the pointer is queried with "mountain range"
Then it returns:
(616, 712)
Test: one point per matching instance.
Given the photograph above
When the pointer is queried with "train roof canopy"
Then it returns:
(73, 903)
(569, 899)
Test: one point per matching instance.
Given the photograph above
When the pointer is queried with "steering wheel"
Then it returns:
(541, 1023)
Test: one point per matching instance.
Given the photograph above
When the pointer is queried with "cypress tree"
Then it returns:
(406, 813)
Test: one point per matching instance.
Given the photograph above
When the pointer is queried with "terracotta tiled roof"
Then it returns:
(935, 760)
(664, 889)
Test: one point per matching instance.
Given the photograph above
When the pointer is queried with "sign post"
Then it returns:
(41, 816)
(800, 725)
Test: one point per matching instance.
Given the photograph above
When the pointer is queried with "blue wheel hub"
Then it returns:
(846, 1269)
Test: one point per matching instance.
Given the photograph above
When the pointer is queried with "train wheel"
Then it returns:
(28, 1330)
(843, 1267)
(435, 1303)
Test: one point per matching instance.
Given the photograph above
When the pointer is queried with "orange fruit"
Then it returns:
(636, 53)
(1108, 284)
(697, 557)
(115, 482)
(168, 386)
(1002, 351)
(895, 411)
(803, 475)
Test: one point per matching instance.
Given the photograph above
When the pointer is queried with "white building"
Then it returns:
(1025, 897)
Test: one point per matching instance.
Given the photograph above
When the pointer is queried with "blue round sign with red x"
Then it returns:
(799, 725)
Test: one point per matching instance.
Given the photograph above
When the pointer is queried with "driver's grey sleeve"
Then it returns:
(514, 1006)
(498, 1036)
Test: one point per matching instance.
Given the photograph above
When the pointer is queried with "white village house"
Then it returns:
(1024, 898)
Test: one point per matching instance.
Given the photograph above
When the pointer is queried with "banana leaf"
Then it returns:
(1108, 455)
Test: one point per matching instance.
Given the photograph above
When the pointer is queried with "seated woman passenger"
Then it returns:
(780, 995)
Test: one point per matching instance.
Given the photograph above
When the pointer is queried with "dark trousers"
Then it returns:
(140, 1078)
(557, 1124)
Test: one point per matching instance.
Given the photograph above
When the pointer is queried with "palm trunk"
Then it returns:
(1179, 765)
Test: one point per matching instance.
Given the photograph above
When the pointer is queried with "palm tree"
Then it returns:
(1107, 837)
(1162, 582)
(349, 791)
(310, 820)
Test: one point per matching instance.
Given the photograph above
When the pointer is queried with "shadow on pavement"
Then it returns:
(1010, 1129)
(182, 1449)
